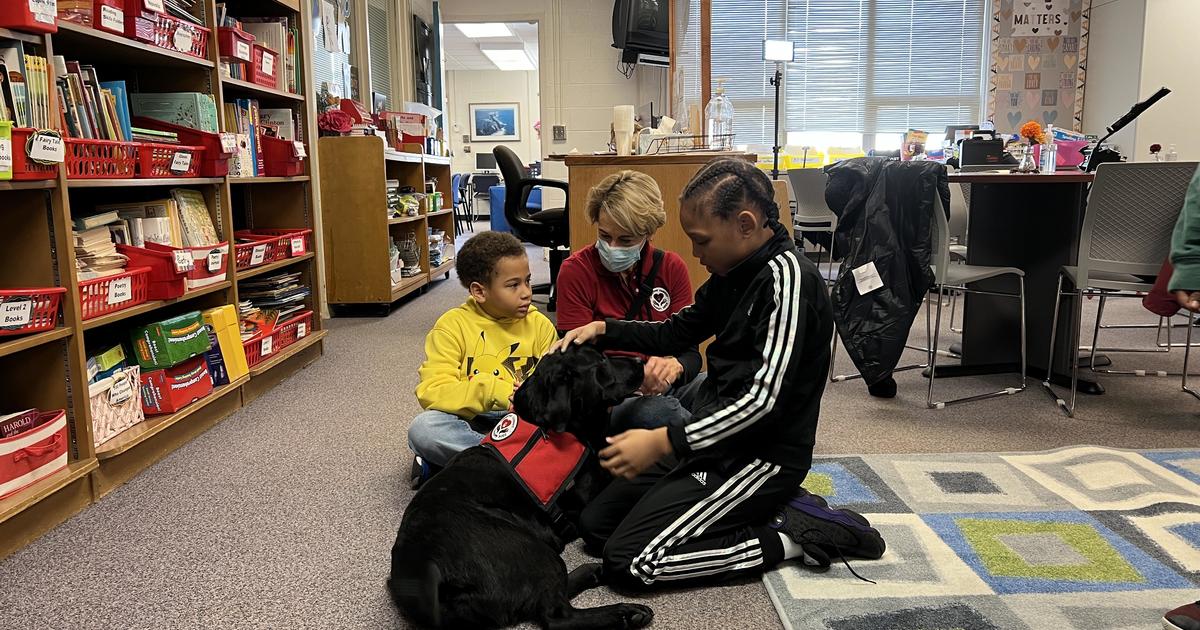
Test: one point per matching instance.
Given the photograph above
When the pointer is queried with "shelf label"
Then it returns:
(265, 347)
(112, 18)
(228, 142)
(301, 330)
(120, 290)
(154, 5)
(43, 10)
(214, 260)
(298, 150)
(121, 390)
(6, 156)
(241, 50)
(268, 63)
(183, 39)
(258, 254)
(47, 148)
(13, 314)
(184, 261)
(297, 245)
(181, 162)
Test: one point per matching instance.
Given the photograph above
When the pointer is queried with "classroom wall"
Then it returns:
(464, 87)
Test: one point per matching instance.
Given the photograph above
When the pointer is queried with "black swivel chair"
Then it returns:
(547, 228)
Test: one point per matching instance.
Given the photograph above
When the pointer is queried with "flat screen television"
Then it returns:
(642, 26)
(485, 162)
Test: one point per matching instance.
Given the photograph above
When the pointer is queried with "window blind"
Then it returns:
(864, 66)
(378, 47)
(329, 68)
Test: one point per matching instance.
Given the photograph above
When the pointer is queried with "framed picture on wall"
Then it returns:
(495, 122)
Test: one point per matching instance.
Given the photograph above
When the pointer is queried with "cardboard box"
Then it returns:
(171, 341)
(171, 389)
(228, 351)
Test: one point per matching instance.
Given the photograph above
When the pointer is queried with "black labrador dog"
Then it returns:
(476, 550)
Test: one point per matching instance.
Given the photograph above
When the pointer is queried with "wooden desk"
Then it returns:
(1031, 222)
(672, 172)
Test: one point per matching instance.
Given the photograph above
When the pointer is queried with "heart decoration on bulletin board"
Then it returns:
(1053, 42)
(1034, 62)
(1020, 45)
(1069, 61)
(1014, 118)
(1033, 98)
(1050, 116)
(1002, 63)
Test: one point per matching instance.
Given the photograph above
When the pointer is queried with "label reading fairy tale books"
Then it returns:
(47, 148)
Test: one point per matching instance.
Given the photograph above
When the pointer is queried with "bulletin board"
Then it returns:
(1038, 63)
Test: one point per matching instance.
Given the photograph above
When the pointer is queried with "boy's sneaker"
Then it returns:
(1186, 617)
(421, 472)
(809, 521)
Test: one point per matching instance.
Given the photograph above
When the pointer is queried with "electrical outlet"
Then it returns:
(560, 133)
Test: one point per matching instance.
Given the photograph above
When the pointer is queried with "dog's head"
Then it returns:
(572, 391)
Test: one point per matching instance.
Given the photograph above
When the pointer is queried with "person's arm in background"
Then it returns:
(680, 288)
(1185, 249)
(442, 386)
(576, 295)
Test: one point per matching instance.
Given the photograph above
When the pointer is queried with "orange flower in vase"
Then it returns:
(1032, 132)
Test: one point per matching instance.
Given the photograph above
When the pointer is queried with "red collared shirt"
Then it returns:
(588, 292)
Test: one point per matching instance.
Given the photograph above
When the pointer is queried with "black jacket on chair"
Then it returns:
(885, 216)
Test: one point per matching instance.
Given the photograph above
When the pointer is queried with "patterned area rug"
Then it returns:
(1081, 537)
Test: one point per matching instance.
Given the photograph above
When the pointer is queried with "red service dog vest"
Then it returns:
(544, 463)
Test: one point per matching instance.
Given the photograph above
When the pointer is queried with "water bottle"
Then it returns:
(1172, 154)
(718, 120)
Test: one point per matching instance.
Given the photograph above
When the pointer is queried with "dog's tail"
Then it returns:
(417, 593)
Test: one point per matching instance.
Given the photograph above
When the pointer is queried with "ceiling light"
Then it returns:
(510, 59)
(477, 31)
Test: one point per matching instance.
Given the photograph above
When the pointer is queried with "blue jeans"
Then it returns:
(672, 407)
(438, 436)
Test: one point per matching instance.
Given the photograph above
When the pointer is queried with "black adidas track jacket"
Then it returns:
(768, 365)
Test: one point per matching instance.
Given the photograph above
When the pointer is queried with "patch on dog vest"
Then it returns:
(543, 463)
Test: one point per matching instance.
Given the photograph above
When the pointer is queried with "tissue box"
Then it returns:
(226, 356)
(166, 343)
(116, 404)
(171, 389)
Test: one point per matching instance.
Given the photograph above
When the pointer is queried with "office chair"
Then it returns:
(461, 190)
(547, 227)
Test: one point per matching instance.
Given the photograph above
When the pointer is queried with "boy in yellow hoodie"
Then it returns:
(477, 352)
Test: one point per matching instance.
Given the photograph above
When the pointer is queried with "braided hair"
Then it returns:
(728, 185)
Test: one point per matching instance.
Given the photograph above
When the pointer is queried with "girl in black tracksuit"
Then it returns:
(704, 512)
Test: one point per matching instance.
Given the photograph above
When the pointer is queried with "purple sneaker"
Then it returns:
(808, 520)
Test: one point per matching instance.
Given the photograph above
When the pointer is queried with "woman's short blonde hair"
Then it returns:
(631, 199)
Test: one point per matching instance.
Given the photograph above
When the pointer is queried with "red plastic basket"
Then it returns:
(20, 16)
(23, 167)
(289, 243)
(110, 294)
(100, 159)
(214, 162)
(259, 249)
(280, 159)
(171, 275)
(235, 44)
(29, 310)
(156, 159)
(167, 32)
(265, 66)
(263, 347)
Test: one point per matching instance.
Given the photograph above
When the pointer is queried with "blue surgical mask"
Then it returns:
(618, 259)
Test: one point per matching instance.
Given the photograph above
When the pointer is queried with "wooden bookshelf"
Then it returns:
(48, 370)
(354, 174)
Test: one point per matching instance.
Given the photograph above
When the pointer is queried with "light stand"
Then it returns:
(1098, 155)
(779, 51)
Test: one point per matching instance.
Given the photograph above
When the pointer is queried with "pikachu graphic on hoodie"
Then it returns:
(472, 359)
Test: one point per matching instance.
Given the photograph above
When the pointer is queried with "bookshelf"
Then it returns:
(357, 230)
(48, 369)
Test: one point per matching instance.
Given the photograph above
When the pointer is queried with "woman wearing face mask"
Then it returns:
(623, 276)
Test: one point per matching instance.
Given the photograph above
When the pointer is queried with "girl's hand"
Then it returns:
(634, 451)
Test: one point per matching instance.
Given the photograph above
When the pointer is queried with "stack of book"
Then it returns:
(250, 123)
(269, 301)
(89, 108)
(181, 220)
(95, 245)
(151, 135)
(24, 86)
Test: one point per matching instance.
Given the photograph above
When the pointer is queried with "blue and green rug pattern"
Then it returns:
(1082, 537)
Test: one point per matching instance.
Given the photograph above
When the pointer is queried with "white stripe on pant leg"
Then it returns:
(696, 566)
(698, 513)
(708, 553)
(692, 511)
(645, 565)
(737, 567)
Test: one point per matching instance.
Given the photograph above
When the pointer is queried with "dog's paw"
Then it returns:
(636, 615)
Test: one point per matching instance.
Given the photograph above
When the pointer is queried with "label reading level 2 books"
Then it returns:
(47, 148)
(183, 261)
(6, 159)
(258, 254)
(120, 290)
(112, 18)
(154, 5)
(181, 162)
(297, 245)
(13, 314)
(266, 346)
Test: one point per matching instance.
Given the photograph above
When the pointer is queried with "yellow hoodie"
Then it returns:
(471, 358)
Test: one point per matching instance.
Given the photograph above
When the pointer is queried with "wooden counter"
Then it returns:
(672, 172)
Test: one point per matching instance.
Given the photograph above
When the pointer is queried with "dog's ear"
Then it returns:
(545, 397)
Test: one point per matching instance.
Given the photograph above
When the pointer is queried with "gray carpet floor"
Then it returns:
(283, 515)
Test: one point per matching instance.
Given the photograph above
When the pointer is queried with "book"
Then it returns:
(197, 224)
(281, 119)
(17, 423)
(121, 96)
(96, 220)
(12, 59)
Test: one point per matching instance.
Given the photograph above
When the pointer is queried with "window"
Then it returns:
(862, 66)
(379, 47)
(331, 69)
